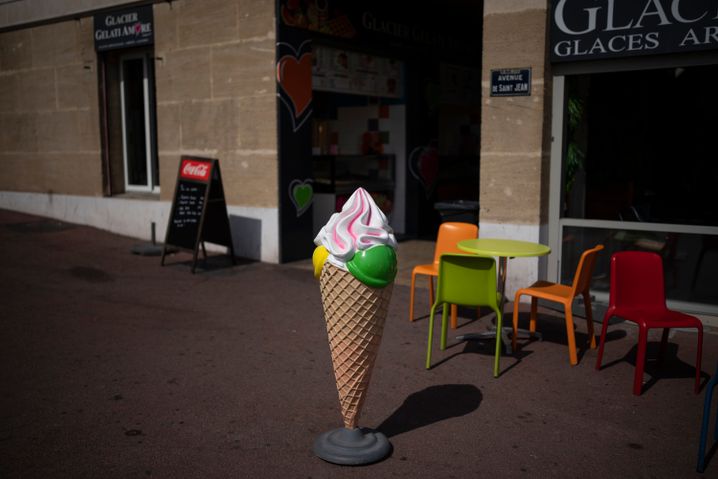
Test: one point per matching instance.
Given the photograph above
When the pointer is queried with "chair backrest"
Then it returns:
(467, 279)
(584, 270)
(451, 233)
(637, 279)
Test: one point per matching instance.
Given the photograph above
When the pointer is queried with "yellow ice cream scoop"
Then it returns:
(318, 259)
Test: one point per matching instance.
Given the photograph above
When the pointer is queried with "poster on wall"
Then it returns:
(346, 71)
(295, 106)
(317, 16)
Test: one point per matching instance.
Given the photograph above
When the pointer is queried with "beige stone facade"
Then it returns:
(515, 130)
(214, 63)
(215, 86)
(515, 133)
(216, 93)
(215, 96)
(49, 123)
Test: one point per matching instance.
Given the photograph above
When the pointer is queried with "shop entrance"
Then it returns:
(639, 169)
(374, 127)
(381, 95)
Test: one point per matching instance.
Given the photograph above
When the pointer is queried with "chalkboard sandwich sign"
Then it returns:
(199, 210)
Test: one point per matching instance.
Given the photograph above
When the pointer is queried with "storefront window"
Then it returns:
(640, 165)
(689, 260)
(642, 146)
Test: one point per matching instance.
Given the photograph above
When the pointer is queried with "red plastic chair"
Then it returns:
(637, 294)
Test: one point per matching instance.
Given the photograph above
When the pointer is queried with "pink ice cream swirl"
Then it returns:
(358, 226)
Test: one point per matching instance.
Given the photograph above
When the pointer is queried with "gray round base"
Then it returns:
(352, 447)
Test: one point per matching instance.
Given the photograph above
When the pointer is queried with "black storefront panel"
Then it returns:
(599, 29)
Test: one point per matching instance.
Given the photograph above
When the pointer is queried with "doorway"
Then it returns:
(136, 133)
(129, 122)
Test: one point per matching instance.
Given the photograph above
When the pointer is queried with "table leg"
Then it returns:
(506, 332)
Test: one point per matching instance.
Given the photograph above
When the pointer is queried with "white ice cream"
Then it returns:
(358, 226)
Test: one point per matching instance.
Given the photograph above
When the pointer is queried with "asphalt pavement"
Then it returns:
(113, 366)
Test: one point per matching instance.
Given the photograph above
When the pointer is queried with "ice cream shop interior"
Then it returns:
(389, 101)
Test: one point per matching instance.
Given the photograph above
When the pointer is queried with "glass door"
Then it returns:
(137, 133)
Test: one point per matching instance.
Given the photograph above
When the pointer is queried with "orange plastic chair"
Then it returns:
(564, 294)
(449, 234)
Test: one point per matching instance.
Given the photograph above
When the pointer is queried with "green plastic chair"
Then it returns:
(466, 280)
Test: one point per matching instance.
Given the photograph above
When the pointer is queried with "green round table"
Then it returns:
(502, 249)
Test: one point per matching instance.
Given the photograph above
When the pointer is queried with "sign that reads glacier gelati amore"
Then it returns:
(124, 28)
(511, 82)
(594, 29)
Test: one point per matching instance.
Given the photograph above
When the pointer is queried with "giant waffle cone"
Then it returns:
(355, 315)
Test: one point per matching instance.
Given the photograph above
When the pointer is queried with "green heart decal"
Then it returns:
(301, 193)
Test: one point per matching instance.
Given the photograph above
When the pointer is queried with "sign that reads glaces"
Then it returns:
(124, 29)
(592, 29)
(511, 82)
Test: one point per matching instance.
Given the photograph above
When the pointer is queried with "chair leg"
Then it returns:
(517, 299)
(444, 325)
(589, 319)
(640, 359)
(411, 296)
(431, 289)
(454, 316)
(602, 341)
(497, 354)
(570, 334)
(699, 354)
(431, 336)
(664, 344)
(534, 313)
(704, 429)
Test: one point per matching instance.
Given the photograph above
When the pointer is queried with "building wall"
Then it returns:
(515, 131)
(49, 123)
(215, 96)
(19, 12)
(216, 93)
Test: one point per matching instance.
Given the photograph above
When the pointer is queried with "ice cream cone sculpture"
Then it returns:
(355, 316)
(355, 262)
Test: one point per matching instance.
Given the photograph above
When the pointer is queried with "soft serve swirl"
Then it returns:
(358, 226)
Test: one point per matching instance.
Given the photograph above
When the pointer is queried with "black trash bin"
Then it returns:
(464, 211)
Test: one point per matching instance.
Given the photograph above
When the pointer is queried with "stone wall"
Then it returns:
(515, 130)
(49, 124)
(19, 12)
(515, 134)
(216, 96)
(216, 93)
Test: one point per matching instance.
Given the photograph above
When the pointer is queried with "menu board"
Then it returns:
(189, 205)
(346, 71)
(199, 210)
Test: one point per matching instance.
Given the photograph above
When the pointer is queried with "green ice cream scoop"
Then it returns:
(375, 267)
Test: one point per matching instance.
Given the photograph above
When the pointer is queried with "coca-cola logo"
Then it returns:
(195, 170)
